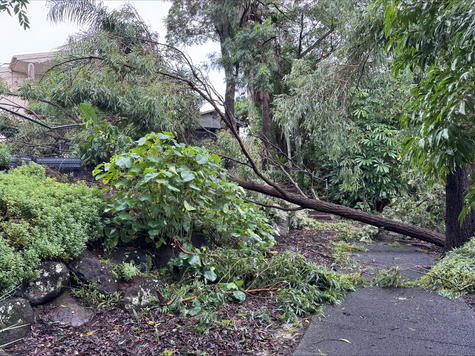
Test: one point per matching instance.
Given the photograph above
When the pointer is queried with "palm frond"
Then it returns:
(83, 12)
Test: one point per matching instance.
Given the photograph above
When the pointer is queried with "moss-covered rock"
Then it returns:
(143, 294)
(54, 277)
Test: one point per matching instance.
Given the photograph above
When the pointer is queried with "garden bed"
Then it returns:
(250, 327)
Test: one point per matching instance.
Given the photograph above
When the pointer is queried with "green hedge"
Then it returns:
(43, 219)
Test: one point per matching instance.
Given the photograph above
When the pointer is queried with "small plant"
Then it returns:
(129, 271)
(388, 278)
(88, 293)
(454, 275)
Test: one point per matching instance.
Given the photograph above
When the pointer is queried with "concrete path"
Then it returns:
(393, 321)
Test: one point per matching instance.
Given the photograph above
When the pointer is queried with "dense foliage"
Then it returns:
(43, 219)
(421, 206)
(437, 41)
(163, 189)
(454, 275)
(113, 66)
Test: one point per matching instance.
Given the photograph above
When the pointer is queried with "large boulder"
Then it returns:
(54, 277)
(143, 294)
(90, 269)
(69, 312)
(140, 258)
(16, 317)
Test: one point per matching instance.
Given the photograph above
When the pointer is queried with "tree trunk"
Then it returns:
(261, 98)
(349, 213)
(224, 32)
(458, 183)
(229, 96)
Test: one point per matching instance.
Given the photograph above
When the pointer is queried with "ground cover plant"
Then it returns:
(43, 219)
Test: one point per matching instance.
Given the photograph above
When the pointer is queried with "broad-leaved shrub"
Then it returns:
(162, 189)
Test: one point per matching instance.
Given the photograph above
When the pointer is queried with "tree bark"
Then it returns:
(224, 33)
(349, 213)
(261, 98)
(458, 184)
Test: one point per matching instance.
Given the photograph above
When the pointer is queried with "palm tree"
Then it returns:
(124, 23)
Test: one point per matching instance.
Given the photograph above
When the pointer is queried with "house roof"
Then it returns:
(42, 62)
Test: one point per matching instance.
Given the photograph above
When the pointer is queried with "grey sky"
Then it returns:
(44, 36)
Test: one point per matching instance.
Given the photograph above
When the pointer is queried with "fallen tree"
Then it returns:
(200, 85)
(348, 213)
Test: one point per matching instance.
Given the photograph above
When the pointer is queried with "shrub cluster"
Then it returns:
(42, 219)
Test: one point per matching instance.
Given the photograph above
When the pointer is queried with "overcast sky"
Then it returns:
(44, 36)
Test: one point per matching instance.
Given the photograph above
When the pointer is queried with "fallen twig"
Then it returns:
(176, 244)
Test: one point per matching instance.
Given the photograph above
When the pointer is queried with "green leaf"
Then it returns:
(124, 162)
(195, 260)
(239, 295)
(188, 207)
(210, 275)
(187, 176)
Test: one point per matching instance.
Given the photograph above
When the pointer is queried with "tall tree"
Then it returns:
(258, 42)
(195, 22)
(436, 40)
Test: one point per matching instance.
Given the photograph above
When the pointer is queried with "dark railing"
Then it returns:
(65, 165)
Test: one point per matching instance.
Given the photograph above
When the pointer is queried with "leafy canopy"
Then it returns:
(436, 40)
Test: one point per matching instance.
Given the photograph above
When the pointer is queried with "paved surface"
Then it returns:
(412, 261)
(393, 321)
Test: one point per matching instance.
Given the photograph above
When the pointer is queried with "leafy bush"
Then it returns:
(42, 219)
(454, 275)
(300, 287)
(103, 139)
(162, 189)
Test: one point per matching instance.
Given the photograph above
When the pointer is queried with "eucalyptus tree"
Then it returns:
(436, 40)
